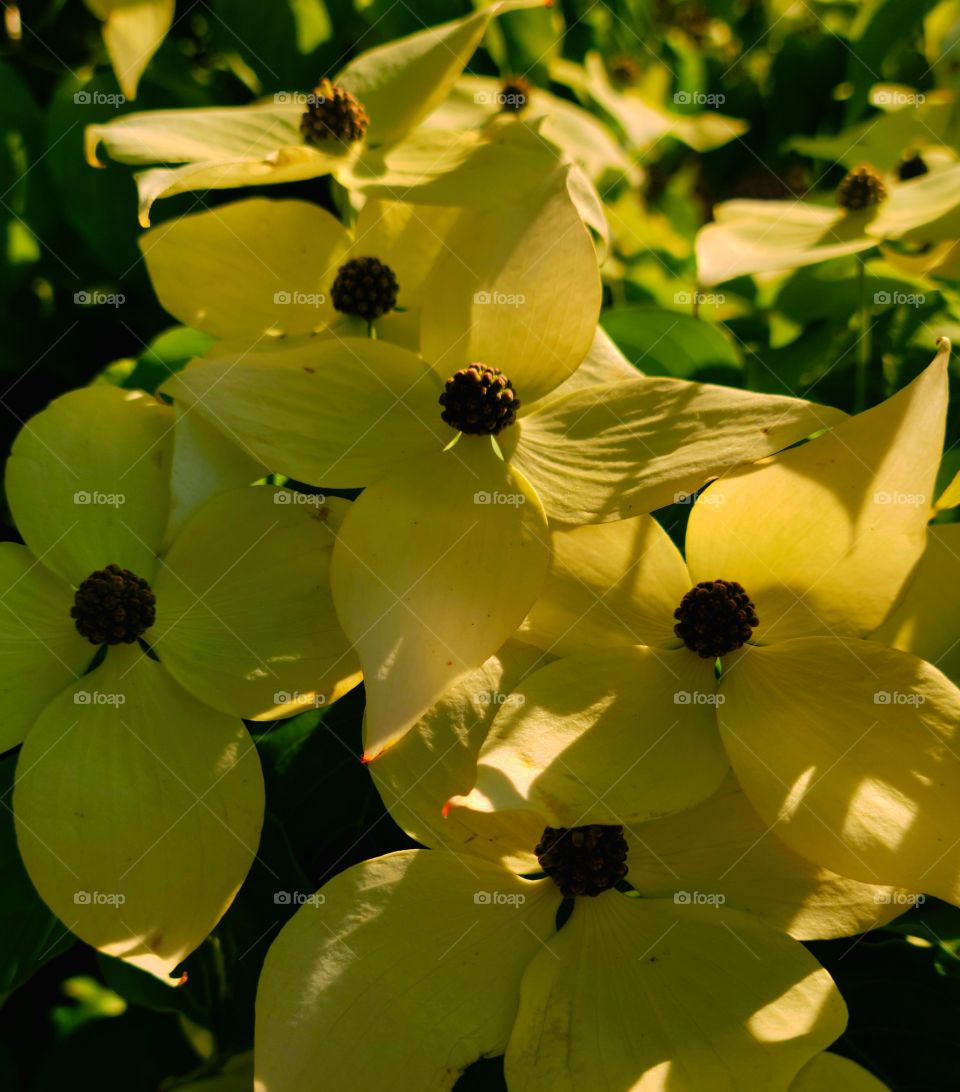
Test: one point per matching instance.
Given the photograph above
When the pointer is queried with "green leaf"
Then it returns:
(166, 354)
(663, 342)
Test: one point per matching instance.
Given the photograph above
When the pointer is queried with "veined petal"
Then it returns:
(604, 363)
(926, 621)
(615, 736)
(849, 749)
(437, 759)
(646, 995)
(824, 537)
(766, 236)
(222, 147)
(434, 569)
(452, 167)
(40, 648)
(245, 619)
(608, 584)
(249, 267)
(834, 1073)
(335, 413)
(132, 33)
(206, 462)
(720, 851)
(408, 238)
(401, 82)
(614, 450)
(517, 287)
(138, 811)
(88, 481)
(421, 950)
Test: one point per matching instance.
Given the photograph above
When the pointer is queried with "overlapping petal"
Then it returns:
(252, 266)
(423, 951)
(434, 569)
(437, 759)
(88, 481)
(374, 403)
(614, 736)
(926, 621)
(138, 811)
(720, 851)
(40, 648)
(643, 994)
(824, 537)
(609, 584)
(849, 750)
(245, 619)
(516, 287)
(613, 450)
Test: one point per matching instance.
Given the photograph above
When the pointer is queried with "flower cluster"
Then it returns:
(411, 456)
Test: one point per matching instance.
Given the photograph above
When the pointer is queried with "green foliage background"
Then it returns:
(74, 1019)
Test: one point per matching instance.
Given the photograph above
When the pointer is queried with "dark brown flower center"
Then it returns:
(912, 166)
(583, 860)
(514, 95)
(715, 618)
(861, 189)
(332, 114)
(113, 606)
(479, 400)
(365, 287)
